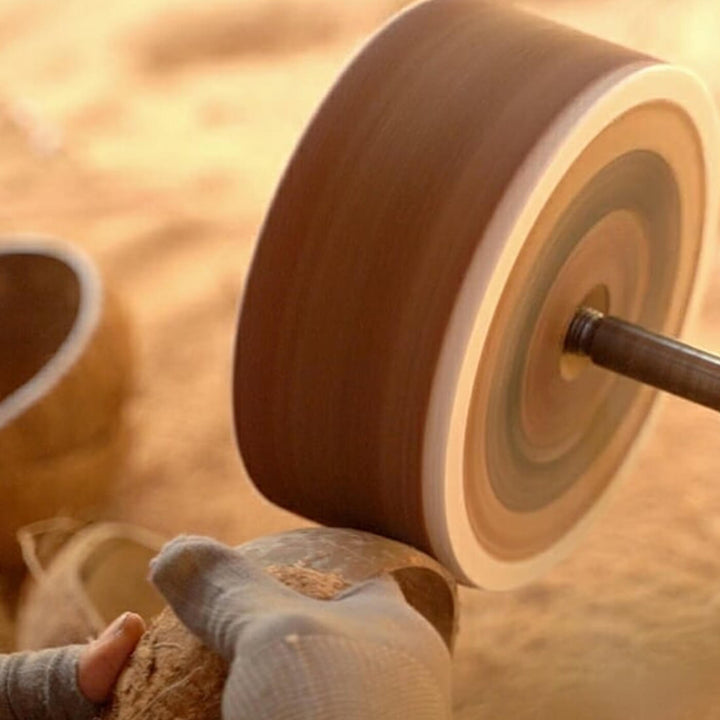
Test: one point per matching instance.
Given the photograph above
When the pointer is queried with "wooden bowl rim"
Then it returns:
(83, 328)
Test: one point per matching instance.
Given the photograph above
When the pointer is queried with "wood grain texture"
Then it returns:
(367, 243)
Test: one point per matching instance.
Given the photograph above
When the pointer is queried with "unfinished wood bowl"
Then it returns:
(64, 376)
(82, 578)
(475, 175)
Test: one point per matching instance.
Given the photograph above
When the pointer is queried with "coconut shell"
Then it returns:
(63, 384)
(98, 573)
(356, 556)
(173, 676)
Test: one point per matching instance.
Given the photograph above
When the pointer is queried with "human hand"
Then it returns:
(67, 682)
(102, 660)
(366, 653)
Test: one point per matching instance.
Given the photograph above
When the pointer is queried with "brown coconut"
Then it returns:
(64, 377)
(173, 676)
(81, 579)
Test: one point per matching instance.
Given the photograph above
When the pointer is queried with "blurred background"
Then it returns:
(151, 134)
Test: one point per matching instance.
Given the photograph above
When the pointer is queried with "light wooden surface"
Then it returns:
(141, 132)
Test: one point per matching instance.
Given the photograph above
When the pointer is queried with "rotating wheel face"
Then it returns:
(620, 233)
(475, 176)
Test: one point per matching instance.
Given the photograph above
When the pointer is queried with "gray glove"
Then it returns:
(43, 686)
(365, 654)
(46, 685)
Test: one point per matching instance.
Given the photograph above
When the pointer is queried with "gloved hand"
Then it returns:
(67, 683)
(365, 654)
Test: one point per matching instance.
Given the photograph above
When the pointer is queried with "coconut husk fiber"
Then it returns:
(173, 676)
(81, 579)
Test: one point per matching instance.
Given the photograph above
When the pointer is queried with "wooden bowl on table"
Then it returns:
(64, 376)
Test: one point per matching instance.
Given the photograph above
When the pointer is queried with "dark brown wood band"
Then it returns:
(367, 243)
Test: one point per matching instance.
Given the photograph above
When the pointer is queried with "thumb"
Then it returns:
(194, 566)
(102, 660)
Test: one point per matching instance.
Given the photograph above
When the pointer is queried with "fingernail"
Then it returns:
(115, 628)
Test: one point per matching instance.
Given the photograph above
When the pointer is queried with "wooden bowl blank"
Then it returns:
(475, 175)
(64, 376)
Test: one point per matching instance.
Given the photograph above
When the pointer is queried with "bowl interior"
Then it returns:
(39, 302)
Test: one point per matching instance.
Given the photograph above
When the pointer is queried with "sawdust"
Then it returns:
(305, 580)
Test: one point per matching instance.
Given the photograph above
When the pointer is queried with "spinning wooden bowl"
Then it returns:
(404, 363)
(64, 368)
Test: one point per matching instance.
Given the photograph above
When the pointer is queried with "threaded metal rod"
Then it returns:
(652, 359)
